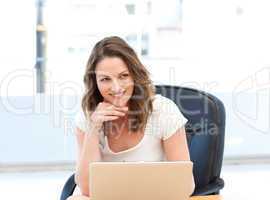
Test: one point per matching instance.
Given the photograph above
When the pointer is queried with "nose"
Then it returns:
(116, 87)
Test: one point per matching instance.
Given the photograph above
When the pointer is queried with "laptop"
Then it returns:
(140, 180)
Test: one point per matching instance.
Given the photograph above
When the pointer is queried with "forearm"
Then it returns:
(90, 153)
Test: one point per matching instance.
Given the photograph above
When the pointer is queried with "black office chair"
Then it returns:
(205, 135)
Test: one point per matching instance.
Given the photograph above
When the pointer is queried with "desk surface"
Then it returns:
(208, 197)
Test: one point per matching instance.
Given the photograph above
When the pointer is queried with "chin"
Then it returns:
(119, 102)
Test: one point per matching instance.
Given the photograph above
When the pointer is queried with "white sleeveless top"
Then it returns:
(164, 121)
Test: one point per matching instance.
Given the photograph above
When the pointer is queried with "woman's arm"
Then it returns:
(88, 143)
(176, 148)
(88, 151)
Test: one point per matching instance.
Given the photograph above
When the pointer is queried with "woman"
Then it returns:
(122, 119)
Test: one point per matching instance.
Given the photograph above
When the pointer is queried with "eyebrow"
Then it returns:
(108, 76)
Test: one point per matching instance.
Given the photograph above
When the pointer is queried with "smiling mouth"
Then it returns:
(118, 94)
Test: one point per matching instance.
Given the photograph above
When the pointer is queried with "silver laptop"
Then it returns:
(140, 180)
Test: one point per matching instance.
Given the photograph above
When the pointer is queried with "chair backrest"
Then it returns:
(205, 134)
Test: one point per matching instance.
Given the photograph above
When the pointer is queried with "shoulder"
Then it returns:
(164, 104)
(167, 117)
(81, 121)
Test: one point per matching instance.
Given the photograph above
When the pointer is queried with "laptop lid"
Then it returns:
(140, 180)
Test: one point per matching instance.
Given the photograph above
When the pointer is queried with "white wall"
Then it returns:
(226, 40)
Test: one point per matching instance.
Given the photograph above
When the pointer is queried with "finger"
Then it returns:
(110, 118)
(123, 108)
(113, 112)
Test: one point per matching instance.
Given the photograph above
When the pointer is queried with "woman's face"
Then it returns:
(114, 81)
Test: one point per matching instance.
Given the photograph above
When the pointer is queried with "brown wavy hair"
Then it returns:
(140, 103)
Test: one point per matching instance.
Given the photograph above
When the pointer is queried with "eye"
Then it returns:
(104, 79)
(124, 75)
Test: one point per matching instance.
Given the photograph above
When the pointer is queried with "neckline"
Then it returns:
(126, 150)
